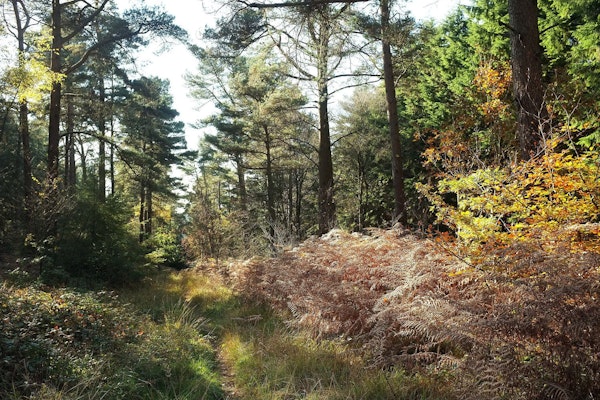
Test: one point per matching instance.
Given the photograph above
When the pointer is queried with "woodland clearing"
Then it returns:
(383, 315)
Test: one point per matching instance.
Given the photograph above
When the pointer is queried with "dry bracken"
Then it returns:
(524, 324)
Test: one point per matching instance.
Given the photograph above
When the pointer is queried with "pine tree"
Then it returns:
(154, 143)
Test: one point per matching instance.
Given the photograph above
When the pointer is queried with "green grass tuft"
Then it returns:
(67, 344)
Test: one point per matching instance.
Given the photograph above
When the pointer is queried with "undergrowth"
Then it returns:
(69, 344)
(523, 324)
(263, 357)
(387, 315)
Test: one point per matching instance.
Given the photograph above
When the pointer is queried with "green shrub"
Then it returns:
(63, 344)
(94, 243)
(166, 249)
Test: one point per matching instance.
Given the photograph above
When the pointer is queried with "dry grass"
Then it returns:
(523, 325)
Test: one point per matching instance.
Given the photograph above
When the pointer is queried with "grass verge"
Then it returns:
(145, 343)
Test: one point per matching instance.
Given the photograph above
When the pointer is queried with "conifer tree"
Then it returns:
(154, 143)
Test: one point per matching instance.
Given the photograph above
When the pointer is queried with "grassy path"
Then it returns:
(260, 358)
(177, 336)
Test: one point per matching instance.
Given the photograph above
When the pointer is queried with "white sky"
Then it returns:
(191, 15)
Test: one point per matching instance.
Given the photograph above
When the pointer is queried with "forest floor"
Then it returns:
(383, 315)
(518, 321)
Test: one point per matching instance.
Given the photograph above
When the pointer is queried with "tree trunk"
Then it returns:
(112, 146)
(102, 144)
(112, 163)
(289, 214)
(526, 60)
(326, 200)
(25, 143)
(149, 212)
(299, 180)
(270, 184)
(55, 95)
(393, 121)
(242, 193)
(70, 170)
(142, 214)
(22, 26)
(83, 161)
(361, 193)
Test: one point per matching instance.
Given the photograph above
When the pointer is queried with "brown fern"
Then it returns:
(525, 324)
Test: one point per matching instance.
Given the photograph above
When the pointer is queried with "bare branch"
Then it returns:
(300, 3)
(86, 21)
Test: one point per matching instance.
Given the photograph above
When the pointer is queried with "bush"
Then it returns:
(166, 249)
(68, 344)
(539, 199)
(94, 243)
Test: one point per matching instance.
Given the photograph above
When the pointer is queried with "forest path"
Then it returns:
(254, 309)
(225, 314)
(228, 379)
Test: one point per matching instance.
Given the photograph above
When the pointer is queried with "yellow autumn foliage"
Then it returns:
(541, 198)
(30, 78)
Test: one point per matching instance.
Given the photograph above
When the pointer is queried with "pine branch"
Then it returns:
(300, 3)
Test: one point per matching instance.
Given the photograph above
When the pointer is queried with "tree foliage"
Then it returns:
(64, 89)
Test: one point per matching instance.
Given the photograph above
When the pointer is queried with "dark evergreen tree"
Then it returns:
(154, 143)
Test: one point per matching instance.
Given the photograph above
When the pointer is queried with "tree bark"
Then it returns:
(242, 192)
(298, 184)
(526, 61)
(149, 212)
(82, 156)
(112, 160)
(142, 214)
(112, 138)
(70, 169)
(102, 143)
(22, 23)
(393, 120)
(326, 200)
(55, 95)
(270, 185)
(25, 143)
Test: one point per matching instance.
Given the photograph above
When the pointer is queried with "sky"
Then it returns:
(177, 61)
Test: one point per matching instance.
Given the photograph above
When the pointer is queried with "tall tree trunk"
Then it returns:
(51, 196)
(55, 95)
(326, 199)
(526, 60)
(70, 171)
(299, 180)
(393, 121)
(25, 143)
(112, 163)
(270, 184)
(289, 218)
(142, 214)
(112, 146)
(361, 186)
(149, 212)
(242, 192)
(22, 22)
(83, 161)
(102, 144)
